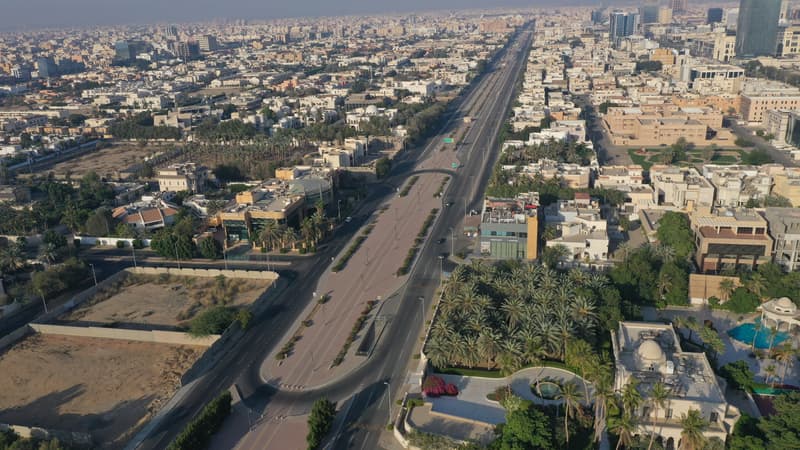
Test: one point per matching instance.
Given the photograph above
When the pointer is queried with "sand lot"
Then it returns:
(107, 388)
(104, 162)
(164, 302)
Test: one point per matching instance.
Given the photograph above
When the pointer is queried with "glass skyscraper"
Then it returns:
(757, 29)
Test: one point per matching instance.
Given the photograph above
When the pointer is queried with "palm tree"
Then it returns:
(726, 288)
(48, 253)
(289, 237)
(757, 284)
(585, 313)
(688, 322)
(757, 329)
(307, 232)
(664, 283)
(771, 371)
(579, 355)
(773, 332)
(694, 425)
(571, 396)
(623, 427)
(489, 346)
(658, 398)
(602, 394)
(514, 309)
(631, 398)
(785, 354)
(11, 258)
(269, 235)
(665, 252)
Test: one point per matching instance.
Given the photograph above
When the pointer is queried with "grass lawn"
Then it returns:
(695, 156)
(477, 372)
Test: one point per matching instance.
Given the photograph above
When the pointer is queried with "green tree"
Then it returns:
(658, 397)
(212, 321)
(782, 429)
(674, 231)
(693, 426)
(210, 248)
(525, 428)
(739, 375)
(624, 427)
(100, 223)
(320, 422)
(382, 167)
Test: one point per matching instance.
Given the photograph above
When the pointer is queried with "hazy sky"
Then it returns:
(22, 14)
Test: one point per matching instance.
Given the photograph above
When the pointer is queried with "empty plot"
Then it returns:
(165, 302)
(107, 388)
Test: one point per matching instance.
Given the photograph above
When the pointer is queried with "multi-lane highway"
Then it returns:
(488, 100)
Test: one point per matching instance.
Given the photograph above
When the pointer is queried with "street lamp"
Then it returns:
(43, 301)
(422, 306)
(388, 399)
(94, 276)
(441, 269)
(176, 255)
(339, 209)
(133, 250)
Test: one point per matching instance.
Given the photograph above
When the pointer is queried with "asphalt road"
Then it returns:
(368, 413)
(777, 155)
(491, 96)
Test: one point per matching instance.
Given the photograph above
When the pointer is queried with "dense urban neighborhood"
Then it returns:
(542, 227)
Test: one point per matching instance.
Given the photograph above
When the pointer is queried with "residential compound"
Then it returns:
(646, 126)
(649, 353)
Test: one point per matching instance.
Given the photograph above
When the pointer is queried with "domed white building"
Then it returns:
(780, 313)
(650, 353)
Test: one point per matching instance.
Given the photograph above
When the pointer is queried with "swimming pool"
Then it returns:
(744, 333)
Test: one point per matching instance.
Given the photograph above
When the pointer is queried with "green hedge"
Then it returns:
(197, 434)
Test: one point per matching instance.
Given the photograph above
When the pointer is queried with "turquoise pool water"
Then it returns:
(744, 333)
(548, 390)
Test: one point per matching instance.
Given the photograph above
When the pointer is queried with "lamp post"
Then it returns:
(94, 276)
(388, 400)
(178, 258)
(43, 302)
(133, 250)
(339, 209)
(422, 307)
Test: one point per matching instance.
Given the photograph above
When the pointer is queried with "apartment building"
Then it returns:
(760, 96)
(736, 185)
(611, 177)
(570, 175)
(681, 187)
(509, 227)
(182, 177)
(730, 238)
(580, 228)
(716, 79)
(650, 353)
(784, 227)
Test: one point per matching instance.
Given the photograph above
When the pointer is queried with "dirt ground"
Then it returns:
(164, 302)
(104, 162)
(104, 387)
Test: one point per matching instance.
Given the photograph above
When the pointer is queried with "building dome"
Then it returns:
(649, 351)
(785, 305)
(372, 110)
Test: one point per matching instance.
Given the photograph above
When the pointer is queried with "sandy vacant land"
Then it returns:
(104, 387)
(143, 301)
(104, 162)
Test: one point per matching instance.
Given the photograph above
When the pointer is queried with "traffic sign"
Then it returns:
(449, 140)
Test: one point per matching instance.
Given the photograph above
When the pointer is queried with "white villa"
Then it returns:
(651, 353)
(780, 314)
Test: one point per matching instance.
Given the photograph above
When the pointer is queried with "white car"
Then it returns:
(348, 219)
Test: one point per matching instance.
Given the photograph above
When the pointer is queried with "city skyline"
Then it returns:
(22, 16)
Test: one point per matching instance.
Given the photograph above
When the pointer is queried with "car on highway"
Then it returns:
(441, 240)
(348, 219)
(449, 203)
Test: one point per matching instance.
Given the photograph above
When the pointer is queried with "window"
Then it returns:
(668, 413)
(714, 417)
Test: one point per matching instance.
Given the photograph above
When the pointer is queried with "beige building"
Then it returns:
(649, 353)
(611, 177)
(788, 40)
(761, 96)
(730, 238)
(182, 177)
(681, 187)
(649, 126)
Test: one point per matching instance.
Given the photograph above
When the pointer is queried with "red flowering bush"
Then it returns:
(434, 386)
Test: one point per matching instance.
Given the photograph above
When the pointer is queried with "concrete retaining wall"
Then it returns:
(159, 337)
(207, 273)
(105, 241)
(79, 298)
